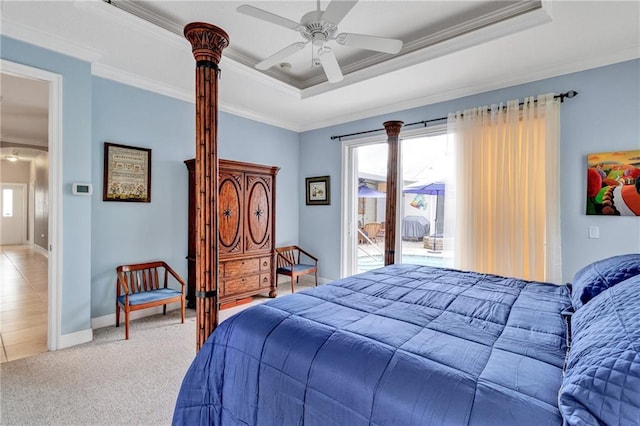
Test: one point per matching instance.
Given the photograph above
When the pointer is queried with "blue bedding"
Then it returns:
(601, 384)
(400, 345)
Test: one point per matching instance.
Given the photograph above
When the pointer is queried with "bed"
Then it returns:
(415, 345)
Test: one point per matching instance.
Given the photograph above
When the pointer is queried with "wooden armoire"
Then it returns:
(246, 239)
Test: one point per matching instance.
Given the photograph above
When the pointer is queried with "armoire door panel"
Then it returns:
(229, 213)
(259, 210)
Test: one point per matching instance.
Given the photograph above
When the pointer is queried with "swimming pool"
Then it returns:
(367, 263)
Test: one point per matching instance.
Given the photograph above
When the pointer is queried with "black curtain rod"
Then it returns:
(570, 94)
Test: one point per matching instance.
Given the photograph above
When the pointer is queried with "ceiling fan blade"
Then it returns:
(280, 55)
(337, 10)
(330, 65)
(379, 44)
(267, 16)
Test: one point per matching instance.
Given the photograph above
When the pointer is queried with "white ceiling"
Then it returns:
(435, 64)
(23, 116)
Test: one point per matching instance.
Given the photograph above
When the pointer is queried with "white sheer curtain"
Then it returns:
(503, 200)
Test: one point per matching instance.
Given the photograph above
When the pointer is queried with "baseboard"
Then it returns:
(41, 250)
(77, 338)
(324, 280)
(110, 320)
(307, 280)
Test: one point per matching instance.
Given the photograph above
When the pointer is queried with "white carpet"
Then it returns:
(109, 381)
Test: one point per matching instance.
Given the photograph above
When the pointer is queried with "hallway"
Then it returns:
(23, 302)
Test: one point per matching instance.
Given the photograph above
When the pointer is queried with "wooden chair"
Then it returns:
(372, 229)
(289, 263)
(138, 286)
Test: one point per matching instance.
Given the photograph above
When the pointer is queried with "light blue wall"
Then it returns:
(124, 232)
(138, 232)
(76, 167)
(604, 116)
(97, 235)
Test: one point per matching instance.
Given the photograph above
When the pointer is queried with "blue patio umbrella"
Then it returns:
(434, 188)
(365, 192)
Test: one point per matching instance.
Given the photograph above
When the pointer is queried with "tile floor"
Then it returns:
(23, 302)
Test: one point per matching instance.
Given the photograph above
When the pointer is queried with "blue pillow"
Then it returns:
(601, 384)
(599, 276)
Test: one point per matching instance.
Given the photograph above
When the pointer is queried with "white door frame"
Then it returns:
(54, 298)
(348, 240)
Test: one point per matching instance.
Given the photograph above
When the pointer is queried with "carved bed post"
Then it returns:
(207, 43)
(393, 131)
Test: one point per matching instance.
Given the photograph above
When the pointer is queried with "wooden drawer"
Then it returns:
(265, 280)
(234, 268)
(241, 285)
(265, 264)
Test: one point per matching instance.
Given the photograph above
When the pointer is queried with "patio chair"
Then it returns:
(372, 229)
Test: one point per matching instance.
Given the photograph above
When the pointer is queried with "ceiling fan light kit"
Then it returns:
(318, 28)
(13, 157)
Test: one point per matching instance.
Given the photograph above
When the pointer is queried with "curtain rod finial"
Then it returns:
(570, 94)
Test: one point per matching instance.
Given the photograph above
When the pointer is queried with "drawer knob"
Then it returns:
(264, 263)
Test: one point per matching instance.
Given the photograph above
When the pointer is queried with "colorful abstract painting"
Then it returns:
(613, 183)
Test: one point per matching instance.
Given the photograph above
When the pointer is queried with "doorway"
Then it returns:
(37, 95)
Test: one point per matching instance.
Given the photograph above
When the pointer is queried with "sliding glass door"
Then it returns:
(424, 162)
(420, 206)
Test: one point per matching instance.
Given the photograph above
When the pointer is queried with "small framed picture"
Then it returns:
(318, 191)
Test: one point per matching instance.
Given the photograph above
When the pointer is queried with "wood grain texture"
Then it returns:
(207, 42)
(393, 132)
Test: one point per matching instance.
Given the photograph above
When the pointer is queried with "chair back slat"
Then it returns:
(142, 277)
(135, 281)
(139, 279)
(142, 280)
(287, 256)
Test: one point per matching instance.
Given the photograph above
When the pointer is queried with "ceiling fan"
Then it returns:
(320, 27)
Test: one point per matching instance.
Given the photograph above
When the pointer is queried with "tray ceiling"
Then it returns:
(451, 50)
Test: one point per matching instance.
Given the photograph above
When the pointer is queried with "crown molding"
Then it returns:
(560, 69)
(130, 79)
(48, 41)
(259, 77)
(136, 80)
(172, 37)
(137, 18)
(252, 115)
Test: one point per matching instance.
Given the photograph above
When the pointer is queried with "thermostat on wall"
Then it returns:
(82, 188)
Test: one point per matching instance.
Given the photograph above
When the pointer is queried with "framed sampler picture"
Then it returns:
(127, 173)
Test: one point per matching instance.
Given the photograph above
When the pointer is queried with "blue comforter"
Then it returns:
(400, 345)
